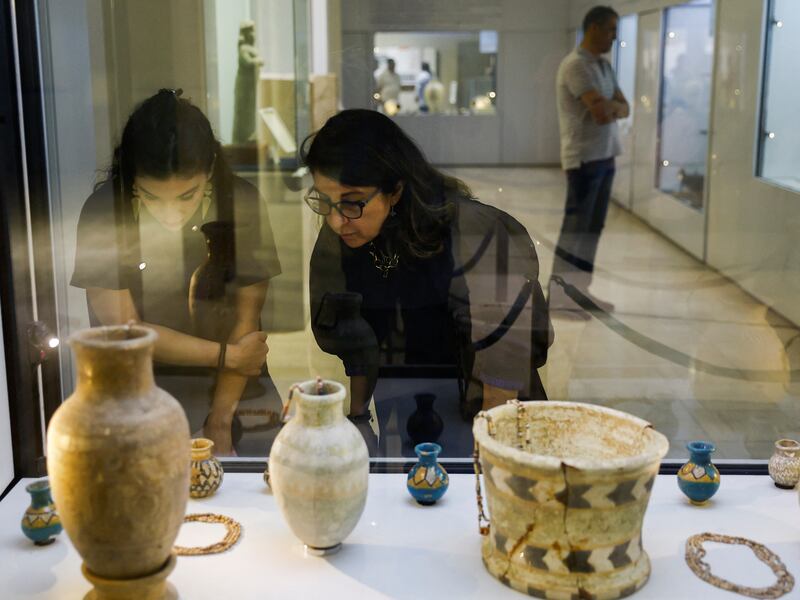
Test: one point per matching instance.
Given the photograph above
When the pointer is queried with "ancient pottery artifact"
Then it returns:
(41, 522)
(117, 463)
(206, 469)
(699, 478)
(567, 486)
(319, 467)
(427, 480)
(424, 424)
(212, 300)
(784, 464)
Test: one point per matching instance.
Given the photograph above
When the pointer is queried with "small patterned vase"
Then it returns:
(41, 522)
(784, 465)
(206, 469)
(699, 478)
(427, 480)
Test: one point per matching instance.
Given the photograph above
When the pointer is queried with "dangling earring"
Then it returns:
(392, 213)
(135, 201)
(208, 195)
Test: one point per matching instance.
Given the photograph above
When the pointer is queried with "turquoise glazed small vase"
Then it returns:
(41, 522)
(427, 480)
(699, 478)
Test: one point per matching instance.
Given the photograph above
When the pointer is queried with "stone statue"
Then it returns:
(244, 100)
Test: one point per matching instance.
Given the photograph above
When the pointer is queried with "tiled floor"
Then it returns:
(739, 385)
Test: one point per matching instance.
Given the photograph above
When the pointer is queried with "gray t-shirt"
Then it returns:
(583, 140)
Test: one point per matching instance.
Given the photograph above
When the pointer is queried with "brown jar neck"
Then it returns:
(109, 372)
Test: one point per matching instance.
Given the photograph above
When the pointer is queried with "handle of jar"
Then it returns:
(523, 440)
(489, 422)
(285, 411)
(483, 521)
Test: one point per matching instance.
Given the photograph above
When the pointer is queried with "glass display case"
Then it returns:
(686, 63)
(262, 88)
(778, 152)
(624, 61)
(442, 72)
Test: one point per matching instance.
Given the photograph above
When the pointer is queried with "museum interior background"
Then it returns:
(699, 253)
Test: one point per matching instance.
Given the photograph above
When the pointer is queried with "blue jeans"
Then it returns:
(588, 195)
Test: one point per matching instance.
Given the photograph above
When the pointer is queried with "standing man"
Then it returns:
(388, 84)
(589, 104)
(422, 81)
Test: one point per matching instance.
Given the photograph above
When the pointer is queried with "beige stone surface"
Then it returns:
(319, 468)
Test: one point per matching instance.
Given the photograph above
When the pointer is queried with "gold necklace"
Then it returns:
(695, 554)
(383, 262)
(234, 530)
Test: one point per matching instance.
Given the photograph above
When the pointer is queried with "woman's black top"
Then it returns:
(118, 250)
(477, 304)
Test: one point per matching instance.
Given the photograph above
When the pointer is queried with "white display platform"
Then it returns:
(402, 550)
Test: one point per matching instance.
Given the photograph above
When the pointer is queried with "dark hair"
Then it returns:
(598, 15)
(426, 67)
(167, 136)
(390, 62)
(366, 148)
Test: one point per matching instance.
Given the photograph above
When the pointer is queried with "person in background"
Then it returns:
(141, 237)
(418, 247)
(388, 84)
(589, 104)
(423, 79)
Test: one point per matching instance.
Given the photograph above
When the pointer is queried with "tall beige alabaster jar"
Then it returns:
(567, 486)
(117, 456)
(319, 467)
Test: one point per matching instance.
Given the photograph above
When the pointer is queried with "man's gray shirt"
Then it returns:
(583, 140)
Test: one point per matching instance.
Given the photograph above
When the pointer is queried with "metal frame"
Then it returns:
(27, 289)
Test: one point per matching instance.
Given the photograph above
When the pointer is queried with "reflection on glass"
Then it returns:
(441, 72)
(780, 152)
(688, 49)
(421, 279)
(172, 239)
(687, 349)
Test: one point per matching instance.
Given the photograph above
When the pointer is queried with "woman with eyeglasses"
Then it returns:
(444, 279)
(141, 238)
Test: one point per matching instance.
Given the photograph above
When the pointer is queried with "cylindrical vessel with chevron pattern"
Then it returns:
(567, 486)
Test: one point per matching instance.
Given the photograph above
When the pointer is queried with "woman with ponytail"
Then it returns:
(140, 239)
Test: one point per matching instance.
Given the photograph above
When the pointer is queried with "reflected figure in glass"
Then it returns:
(589, 104)
(443, 284)
(172, 239)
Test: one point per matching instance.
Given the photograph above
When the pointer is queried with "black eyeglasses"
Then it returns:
(322, 205)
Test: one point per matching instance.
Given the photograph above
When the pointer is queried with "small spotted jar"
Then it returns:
(567, 485)
(206, 469)
(784, 465)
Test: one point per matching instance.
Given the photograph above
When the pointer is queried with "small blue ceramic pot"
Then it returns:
(699, 478)
(41, 522)
(427, 480)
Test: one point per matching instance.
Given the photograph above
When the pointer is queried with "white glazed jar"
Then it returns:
(784, 465)
(319, 467)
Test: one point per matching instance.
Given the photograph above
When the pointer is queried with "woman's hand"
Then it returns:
(248, 355)
(219, 432)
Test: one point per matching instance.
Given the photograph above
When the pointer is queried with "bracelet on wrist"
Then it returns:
(221, 358)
